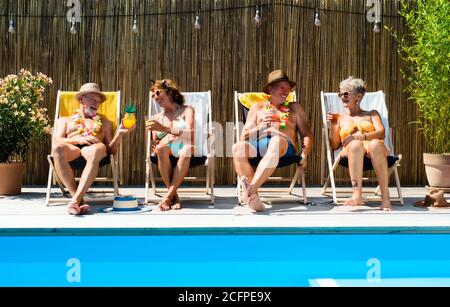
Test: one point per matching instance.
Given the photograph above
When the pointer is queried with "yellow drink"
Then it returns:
(129, 120)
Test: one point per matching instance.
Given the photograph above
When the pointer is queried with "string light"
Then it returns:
(257, 16)
(135, 29)
(376, 27)
(317, 18)
(197, 24)
(11, 27)
(73, 28)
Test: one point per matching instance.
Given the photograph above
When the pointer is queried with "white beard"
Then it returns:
(89, 112)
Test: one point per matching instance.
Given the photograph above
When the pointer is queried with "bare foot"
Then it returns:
(164, 205)
(354, 202)
(386, 206)
(73, 208)
(255, 203)
(85, 209)
(176, 203)
(245, 186)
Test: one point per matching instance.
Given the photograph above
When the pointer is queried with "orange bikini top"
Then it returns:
(363, 126)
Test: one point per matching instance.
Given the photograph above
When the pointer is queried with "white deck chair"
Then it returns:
(331, 158)
(270, 194)
(66, 104)
(204, 147)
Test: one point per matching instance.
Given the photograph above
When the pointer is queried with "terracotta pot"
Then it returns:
(11, 175)
(437, 168)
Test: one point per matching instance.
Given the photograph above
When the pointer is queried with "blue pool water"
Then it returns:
(220, 260)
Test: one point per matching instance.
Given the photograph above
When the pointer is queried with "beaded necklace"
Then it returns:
(81, 127)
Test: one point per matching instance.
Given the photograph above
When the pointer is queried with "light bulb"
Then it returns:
(197, 22)
(11, 27)
(135, 29)
(317, 19)
(257, 16)
(376, 27)
(73, 28)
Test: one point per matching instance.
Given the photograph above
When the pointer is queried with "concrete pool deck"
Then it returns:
(27, 214)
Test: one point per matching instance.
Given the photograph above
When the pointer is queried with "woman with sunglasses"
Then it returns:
(360, 133)
(172, 136)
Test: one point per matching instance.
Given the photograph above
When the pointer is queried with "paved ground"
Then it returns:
(27, 213)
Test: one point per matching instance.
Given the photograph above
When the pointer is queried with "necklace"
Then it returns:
(81, 127)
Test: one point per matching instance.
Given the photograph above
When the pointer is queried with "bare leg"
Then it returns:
(165, 169)
(180, 171)
(378, 153)
(276, 149)
(93, 155)
(63, 154)
(355, 152)
(241, 152)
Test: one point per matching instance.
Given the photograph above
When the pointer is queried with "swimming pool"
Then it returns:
(263, 260)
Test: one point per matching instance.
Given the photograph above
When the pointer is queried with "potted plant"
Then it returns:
(22, 123)
(426, 52)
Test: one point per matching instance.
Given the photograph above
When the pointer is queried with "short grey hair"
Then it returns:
(357, 85)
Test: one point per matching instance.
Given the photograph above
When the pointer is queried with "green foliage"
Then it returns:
(22, 120)
(425, 51)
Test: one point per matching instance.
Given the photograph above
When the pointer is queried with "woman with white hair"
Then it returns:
(360, 133)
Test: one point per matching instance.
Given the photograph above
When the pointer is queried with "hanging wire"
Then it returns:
(279, 3)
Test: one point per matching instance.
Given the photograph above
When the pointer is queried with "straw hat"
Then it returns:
(90, 88)
(277, 76)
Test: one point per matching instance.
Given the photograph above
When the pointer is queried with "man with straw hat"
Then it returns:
(85, 134)
(270, 132)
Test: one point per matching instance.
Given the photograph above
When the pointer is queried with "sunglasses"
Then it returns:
(156, 93)
(344, 95)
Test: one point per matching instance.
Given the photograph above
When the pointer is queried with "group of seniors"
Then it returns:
(269, 132)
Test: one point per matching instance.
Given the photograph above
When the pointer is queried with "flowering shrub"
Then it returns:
(22, 121)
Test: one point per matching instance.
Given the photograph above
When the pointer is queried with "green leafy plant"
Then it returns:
(425, 51)
(22, 121)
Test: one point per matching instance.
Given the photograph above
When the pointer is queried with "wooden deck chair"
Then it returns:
(331, 159)
(66, 105)
(243, 102)
(204, 149)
